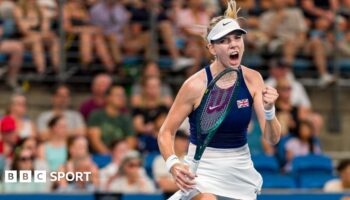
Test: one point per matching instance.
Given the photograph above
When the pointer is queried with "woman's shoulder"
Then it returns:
(196, 83)
(251, 74)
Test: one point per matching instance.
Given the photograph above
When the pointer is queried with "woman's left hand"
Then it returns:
(270, 96)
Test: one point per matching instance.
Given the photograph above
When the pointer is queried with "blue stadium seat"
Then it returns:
(279, 182)
(265, 164)
(101, 160)
(313, 181)
(148, 163)
(142, 196)
(312, 164)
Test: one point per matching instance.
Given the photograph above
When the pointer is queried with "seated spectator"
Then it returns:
(147, 141)
(119, 149)
(130, 178)
(151, 104)
(188, 21)
(9, 137)
(23, 160)
(14, 49)
(18, 110)
(113, 24)
(60, 103)
(79, 160)
(314, 9)
(280, 70)
(342, 184)
(137, 91)
(35, 27)
(77, 22)
(286, 29)
(162, 177)
(344, 45)
(54, 151)
(99, 86)
(302, 144)
(108, 124)
(32, 144)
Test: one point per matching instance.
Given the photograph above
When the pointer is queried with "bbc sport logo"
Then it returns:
(40, 176)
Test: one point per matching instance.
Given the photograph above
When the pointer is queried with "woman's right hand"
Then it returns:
(183, 177)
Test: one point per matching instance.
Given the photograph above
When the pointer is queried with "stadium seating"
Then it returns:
(265, 164)
(312, 171)
(276, 181)
(148, 163)
(101, 160)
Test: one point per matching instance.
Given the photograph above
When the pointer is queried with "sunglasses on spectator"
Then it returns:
(134, 164)
(26, 158)
(286, 88)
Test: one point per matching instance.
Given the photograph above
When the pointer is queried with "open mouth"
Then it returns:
(234, 56)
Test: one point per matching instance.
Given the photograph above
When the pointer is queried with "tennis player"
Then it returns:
(225, 170)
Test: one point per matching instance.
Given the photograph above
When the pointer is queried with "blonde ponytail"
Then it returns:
(231, 11)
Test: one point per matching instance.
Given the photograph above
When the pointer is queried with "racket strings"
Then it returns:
(217, 102)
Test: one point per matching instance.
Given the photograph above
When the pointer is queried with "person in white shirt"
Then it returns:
(279, 70)
(341, 184)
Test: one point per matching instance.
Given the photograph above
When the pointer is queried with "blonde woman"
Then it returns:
(225, 170)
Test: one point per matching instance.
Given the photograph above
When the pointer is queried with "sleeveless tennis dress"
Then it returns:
(226, 168)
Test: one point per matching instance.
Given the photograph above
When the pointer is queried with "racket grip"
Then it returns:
(177, 196)
(193, 166)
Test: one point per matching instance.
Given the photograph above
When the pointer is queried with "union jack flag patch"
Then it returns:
(243, 103)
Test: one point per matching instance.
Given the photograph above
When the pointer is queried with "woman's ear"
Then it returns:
(211, 49)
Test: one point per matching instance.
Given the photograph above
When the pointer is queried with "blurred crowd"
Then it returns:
(123, 127)
(108, 31)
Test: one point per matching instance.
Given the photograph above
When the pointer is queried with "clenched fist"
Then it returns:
(269, 95)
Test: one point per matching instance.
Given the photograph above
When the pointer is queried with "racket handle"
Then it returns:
(177, 196)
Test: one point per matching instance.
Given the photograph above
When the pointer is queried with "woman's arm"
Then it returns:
(264, 101)
(183, 105)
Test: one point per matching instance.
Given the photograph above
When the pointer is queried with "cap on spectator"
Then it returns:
(279, 63)
(129, 156)
(224, 27)
(7, 124)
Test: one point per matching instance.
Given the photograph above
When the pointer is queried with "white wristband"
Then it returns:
(171, 161)
(269, 114)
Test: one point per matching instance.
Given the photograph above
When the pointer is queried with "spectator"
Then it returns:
(344, 45)
(34, 25)
(32, 144)
(9, 137)
(54, 151)
(109, 124)
(14, 49)
(291, 114)
(162, 177)
(130, 178)
(304, 143)
(286, 29)
(279, 69)
(113, 18)
(99, 86)
(18, 109)
(77, 22)
(79, 160)
(60, 103)
(23, 160)
(343, 183)
(314, 9)
(192, 35)
(137, 91)
(148, 109)
(119, 149)
(147, 141)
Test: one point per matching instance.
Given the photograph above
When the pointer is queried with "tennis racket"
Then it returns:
(216, 104)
